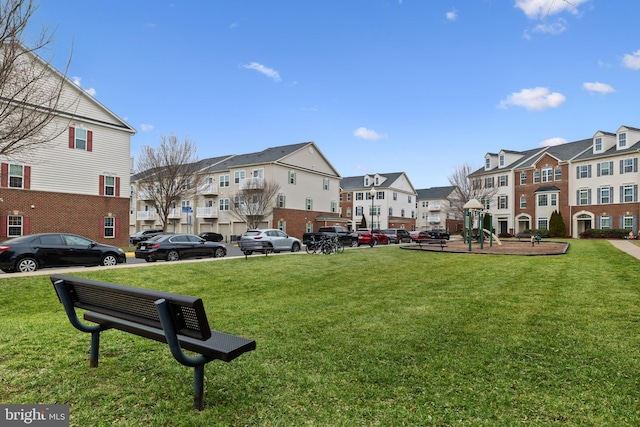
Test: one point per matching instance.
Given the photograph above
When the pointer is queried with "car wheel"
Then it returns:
(109, 259)
(26, 265)
(173, 256)
(354, 243)
(295, 247)
(374, 242)
(218, 253)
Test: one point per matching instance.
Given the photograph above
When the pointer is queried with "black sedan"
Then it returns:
(29, 253)
(439, 233)
(172, 247)
(211, 236)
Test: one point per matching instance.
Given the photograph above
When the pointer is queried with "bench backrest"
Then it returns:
(137, 304)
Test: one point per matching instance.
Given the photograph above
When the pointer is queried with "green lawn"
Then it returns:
(378, 336)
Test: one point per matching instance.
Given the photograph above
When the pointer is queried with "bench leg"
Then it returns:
(95, 349)
(198, 387)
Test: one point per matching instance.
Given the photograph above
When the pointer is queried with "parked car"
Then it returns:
(367, 237)
(29, 253)
(143, 235)
(172, 247)
(210, 236)
(420, 235)
(270, 239)
(439, 233)
(346, 237)
(397, 235)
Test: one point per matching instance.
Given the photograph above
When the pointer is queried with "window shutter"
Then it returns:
(598, 170)
(101, 183)
(635, 193)
(117, 230)
(27, 178)
(635, 164)
(634, 223)
(72, 137)
(589, 196)
(589, 171)
(578, 197)
(26, 225)
(621, 167)
(3, 226)
(598, 222)
(577, 172)
(117, 186)
(611, 167)
(4, 175)
(89, 140)
(599, 196)
(622, 194)
(611, 195)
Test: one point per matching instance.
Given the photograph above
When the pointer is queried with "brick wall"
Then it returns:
(70, 213)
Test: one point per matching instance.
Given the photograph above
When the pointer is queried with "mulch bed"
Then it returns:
(506, 248)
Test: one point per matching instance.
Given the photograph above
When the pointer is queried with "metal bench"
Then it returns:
(249, 246)
(178, 320)
(428, 242)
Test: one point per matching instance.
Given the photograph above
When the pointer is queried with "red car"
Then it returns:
(365, 237)
(418, 236)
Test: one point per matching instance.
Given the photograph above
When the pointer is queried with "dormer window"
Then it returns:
(366, 181)
(622, 140)
(487, 163)
(598, 144)
(501, 160)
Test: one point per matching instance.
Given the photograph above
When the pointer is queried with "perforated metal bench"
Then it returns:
(178, 320)
(429, 242)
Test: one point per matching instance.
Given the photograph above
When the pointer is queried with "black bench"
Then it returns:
(428, 242)
(249, 246)
(177, 320)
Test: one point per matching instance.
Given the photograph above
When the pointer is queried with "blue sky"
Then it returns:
(380, 85)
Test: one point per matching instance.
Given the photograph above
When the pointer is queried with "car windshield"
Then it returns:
(252, 233)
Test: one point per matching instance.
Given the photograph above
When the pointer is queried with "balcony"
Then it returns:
(145, 215)
(434, 206)
(252, 184)
(207, 212)
(209, 189)
(175, 213)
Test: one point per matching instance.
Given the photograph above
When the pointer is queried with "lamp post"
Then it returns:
(372, 193)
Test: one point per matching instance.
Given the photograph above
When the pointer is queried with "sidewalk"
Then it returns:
(626, 246)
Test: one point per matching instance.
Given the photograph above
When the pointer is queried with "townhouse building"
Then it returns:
(308, 193)
(435, 210)
(592, 183)
(76, 183)
(385, 200)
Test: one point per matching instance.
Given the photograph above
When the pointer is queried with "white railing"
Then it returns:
(207, 212)
(145, 215)
(209, 188)
(252, 184)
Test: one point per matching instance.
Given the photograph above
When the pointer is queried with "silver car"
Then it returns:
(268, 240)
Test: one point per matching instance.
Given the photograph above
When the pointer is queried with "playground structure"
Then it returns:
(474, 214)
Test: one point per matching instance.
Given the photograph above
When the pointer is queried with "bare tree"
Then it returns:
(31, 91)
(468, 188)
(254, 201)
(168, 174)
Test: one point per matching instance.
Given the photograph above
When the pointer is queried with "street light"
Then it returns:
(372, 192)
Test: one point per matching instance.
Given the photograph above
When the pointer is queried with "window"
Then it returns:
(523, 178)
(402, 213)
(224, 204)
(359, 196)
(358, 210)
(487, 163)
(309, 203)
(109, 226)
(109, 186)
(224, 181)
(627, 222)
(366, 181)
(348, 197)
(598, 144)
(334, 207)
(282, 201)
(543, 200)
(238, 176)
(536, 177)
(308, 228)
(558, 174)
(408, 200)
(325, 184)
(14, 223)
(80, 139)
(629, 193)
(503, 180)
(629, 165)
(605, 222)
(488, 182)
(583, 171)
(502, 202)
(622, 140)
(584, 197)
(348, 212)
(547, 174)
(554, 200)
(486, 202)
(501, 160)
(605, 195)
(282, 226)
(15, 176)
(292, 177)
(605, 168)
(390, 211)
(523, 202)
(395, 196)
(543, 223)
(257, 173)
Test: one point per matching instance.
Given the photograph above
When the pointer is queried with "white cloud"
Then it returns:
(269, 72)
(553, 28)
(146, 128)
(538, 98)
(632, 60)
(368, 134)
(452, 16)
(598, 87)
(540, 9)
(91, 91)
(553, 141)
